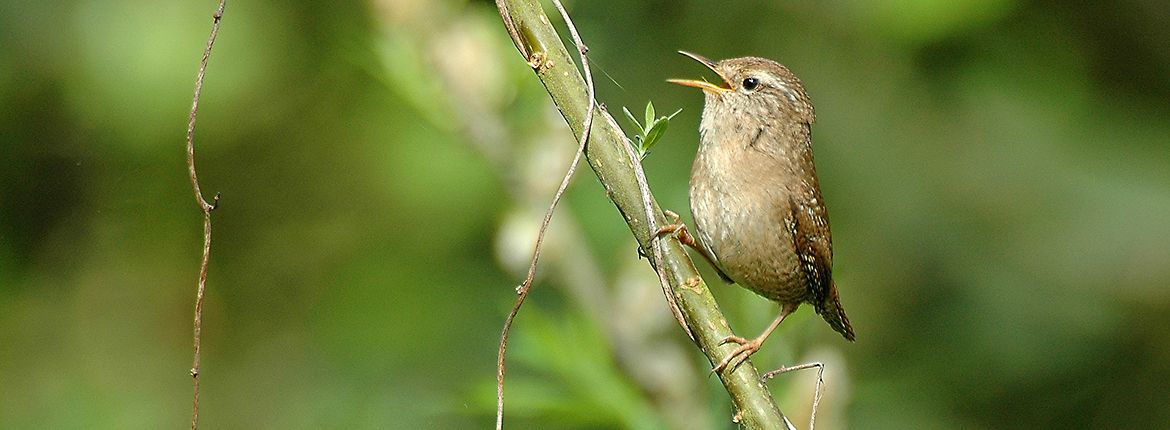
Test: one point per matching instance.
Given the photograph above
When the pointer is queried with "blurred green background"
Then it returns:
(997, 171)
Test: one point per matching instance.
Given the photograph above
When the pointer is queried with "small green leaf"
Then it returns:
(655, 133)
(649, 133)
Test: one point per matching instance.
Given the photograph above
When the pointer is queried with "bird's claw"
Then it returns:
(675, 225)
(739, 355)
(676, 228)
(733, 339)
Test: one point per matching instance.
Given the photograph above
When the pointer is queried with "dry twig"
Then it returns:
(205, 208)
(526, 286)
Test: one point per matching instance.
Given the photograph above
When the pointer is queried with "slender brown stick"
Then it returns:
(205, 208)
(656, 239)
(819, 390)
(526, 286)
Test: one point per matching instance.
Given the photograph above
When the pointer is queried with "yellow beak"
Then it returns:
(725, 87)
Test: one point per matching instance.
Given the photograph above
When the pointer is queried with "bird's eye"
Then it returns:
(750, 84)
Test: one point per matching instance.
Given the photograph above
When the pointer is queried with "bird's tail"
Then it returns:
(834, 314)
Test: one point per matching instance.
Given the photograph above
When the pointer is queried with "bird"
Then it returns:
(759, 216)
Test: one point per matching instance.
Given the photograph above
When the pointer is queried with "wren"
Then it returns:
(755, 199)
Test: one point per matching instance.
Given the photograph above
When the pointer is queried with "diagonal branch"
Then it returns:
(607, 154)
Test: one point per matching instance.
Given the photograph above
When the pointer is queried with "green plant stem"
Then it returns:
(606, 153)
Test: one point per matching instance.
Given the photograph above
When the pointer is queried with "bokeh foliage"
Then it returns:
(998, 175)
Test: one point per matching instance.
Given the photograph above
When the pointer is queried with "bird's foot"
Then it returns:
(678, 229)
(739, 355)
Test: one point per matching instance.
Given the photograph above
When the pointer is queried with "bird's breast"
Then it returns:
(740, 216)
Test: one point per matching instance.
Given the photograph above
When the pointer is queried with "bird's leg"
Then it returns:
(812, 420)
(749, 347)
(679, 230)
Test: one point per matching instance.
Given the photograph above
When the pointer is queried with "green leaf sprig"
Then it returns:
(649, 132)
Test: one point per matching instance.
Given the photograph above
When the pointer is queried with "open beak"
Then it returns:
(724, 87)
